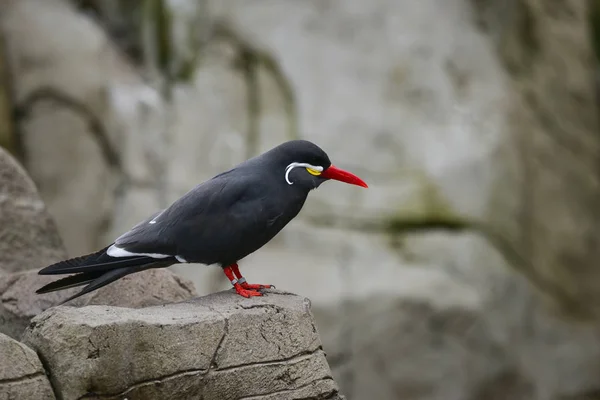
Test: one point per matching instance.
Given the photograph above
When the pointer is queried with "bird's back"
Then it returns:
(221, 220)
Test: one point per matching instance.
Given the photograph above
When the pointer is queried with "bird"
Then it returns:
(219, 221)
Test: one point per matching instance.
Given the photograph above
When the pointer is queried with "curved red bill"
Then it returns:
(339, 174)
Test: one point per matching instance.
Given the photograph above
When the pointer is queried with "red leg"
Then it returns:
(238, 287)
(242, 280)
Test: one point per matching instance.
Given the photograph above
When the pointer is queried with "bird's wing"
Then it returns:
(143, 239)
(201, 226)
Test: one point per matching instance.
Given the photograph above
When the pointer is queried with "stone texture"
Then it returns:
(50, 85)
(21, 373)
(78, 99)
(8, 137)
(482, 123)
(142, 289)
(562, 156)
(467, 331)
(28, 236)
(219, 143)
(554, 121)
(216, 347)
(19, 302)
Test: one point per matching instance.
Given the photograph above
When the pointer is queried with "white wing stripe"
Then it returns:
(115, 251)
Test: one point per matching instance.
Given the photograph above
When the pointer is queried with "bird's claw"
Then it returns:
(254, 286)
(246, 292)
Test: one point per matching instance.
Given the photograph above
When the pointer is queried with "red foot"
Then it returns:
(245, 292)
(254, 286)
(243, 288)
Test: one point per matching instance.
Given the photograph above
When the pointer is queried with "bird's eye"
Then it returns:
(313, 171)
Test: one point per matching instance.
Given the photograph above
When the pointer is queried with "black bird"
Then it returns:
(220, 221)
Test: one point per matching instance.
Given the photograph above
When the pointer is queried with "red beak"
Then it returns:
(338, 174)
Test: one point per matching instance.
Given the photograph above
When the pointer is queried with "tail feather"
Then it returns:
(103, 280)
(96, 270)
(73, 262)
(95, 262)
(70, 282)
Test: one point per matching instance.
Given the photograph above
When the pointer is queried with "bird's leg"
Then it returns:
(242, 280)
(237, 286)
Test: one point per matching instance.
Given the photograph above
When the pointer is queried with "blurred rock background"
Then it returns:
(468, 269)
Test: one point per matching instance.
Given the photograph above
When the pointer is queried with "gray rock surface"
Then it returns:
(21, 373)
(217, 347)
(71, 90)
(474, 122)
(142, 289)
(445, 328)
(553, 125)
(19, 302)
(28, 236)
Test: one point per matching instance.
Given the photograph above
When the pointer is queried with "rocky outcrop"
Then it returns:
(21, 373)
(217, 347)
(28, 236)
(477, 134)
(19, 302)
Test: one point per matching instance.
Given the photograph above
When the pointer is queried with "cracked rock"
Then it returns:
(19, 302)
(28, 236)
(21, 373)
(221, 346)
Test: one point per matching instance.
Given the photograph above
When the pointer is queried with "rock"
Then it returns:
(82, 112)
(142, 289)
(216, 347)
(21, 373)
(220, 144)
(8, 137)
(466, 331)
(28, 236)
(57, 92)
(487, 135)
(554, 124)
(19, 302)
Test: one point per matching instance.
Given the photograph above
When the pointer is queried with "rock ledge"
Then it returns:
(220, 346)
(21, 373)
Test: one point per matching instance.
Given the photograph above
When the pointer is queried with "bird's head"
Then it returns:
(306, 165)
